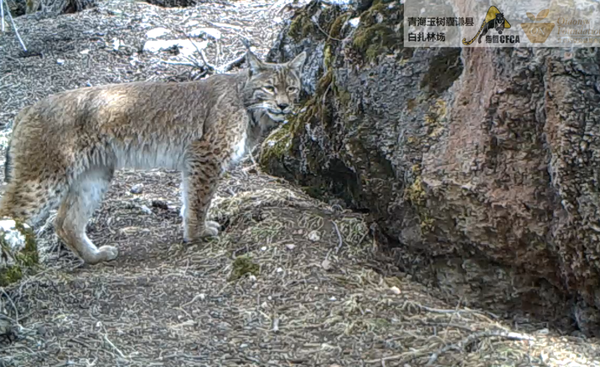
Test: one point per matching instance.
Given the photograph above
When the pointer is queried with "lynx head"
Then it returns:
(273, 88)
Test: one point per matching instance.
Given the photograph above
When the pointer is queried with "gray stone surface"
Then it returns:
(480, 167)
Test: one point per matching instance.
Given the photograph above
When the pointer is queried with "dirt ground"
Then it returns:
(291, 281)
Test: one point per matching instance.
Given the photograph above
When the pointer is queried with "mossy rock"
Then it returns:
(18, 251)
(242, 266)
(377, 33)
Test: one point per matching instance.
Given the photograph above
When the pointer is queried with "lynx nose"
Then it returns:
(283, 106)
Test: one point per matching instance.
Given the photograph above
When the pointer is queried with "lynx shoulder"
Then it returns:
(64, 149)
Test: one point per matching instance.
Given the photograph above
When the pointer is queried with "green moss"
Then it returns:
(338, 23)
(343, 96)
(327, 57)
(300, 26)
(375, 40)
(25, 260)
(243, 265)
(10, 275)
(275, 146)
(415, 193)
(29, 256)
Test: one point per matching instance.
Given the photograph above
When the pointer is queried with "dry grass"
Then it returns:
(291, 281)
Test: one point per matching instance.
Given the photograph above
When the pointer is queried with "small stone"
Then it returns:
(326, 264)
(290, 246)
(210, 32)
(264, 248)
(314, 236)
(395, 290)
(157, 32)
(160, 204)
(354, 22)
(146, 210)
(137, 189)
(60, 61)
(333, 299)
(185, 47)
(252, 278)
(279, 270)
(41, 330)
(242, 346)
(116, 44)
(84, 52)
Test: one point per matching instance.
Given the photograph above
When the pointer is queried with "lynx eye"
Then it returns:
(292, 89)
(269, 88)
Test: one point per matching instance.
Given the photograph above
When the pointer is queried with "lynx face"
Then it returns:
(275, 87)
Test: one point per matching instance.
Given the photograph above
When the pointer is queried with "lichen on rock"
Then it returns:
(18, 250)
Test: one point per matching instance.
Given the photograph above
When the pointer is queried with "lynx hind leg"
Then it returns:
(78, 206)
(199, 183)
(30, 200)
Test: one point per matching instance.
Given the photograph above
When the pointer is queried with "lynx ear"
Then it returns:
(254, 62)
(298, 62)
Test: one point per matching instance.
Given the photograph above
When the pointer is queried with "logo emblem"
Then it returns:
(494, 19)
(537, 32)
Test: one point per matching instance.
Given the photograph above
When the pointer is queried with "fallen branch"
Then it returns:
(231, 64)
(341, 241)
(461, 345)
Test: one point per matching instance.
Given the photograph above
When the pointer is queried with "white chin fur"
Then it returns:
(278, 118)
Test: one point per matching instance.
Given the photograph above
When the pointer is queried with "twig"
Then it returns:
(12, 21)
(191, 63)
(452, 316)
(2, 14)
(341, 243)
(12, 304)
(461, 345)
(411, 356)
(231, 64)
(436, 310)
(325, 33)
(203, 56)
(114, 347)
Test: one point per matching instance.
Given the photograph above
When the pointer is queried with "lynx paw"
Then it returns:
(108, 253)
(209, 231)
(213, 224)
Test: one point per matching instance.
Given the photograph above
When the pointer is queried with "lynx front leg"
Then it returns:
(199, 180)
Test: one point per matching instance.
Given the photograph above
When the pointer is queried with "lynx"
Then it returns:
(64, 149)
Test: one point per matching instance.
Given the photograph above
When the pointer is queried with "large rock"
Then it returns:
(481, 167)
